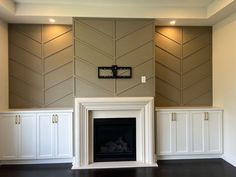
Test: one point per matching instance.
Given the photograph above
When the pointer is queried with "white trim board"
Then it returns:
(230, 159)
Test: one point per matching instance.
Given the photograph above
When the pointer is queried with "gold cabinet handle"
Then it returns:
(53, 118)
(173, 116)
(206, 116)
(19, 119)
(16, 122)
(56, 118)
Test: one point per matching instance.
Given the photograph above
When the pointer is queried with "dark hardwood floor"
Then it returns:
(174, 168)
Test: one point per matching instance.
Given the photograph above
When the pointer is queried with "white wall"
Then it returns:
(224, 80)
(3, 65)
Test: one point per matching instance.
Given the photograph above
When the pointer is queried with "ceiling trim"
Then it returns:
(63, 13)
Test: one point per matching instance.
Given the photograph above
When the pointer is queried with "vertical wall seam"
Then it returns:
(181, 67)
(43, 65)
(74, 77)
(114, 52)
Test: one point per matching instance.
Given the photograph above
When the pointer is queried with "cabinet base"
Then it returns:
(41, 161)
(182, 157)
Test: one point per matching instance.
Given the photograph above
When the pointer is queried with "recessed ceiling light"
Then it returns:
(51, 20)
(172, 22)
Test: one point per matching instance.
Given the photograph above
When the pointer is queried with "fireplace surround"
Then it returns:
(89, 109)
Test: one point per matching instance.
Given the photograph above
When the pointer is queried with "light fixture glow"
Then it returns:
(51, 20)
(172, 22)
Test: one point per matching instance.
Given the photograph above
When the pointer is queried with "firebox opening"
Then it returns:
(114, 139)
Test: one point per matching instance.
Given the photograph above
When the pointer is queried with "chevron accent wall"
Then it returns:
(41, 66)
(105, 42)
(183, 66)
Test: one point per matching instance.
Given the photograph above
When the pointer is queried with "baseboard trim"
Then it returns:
(41, 161)
(182, 157)
(230, 159)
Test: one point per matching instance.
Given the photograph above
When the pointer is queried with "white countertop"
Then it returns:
(34, 110)
(189, 108)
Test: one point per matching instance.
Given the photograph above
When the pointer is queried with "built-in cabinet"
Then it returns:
(36, 135)
(182, 132)
(54, 135)
(17, 136)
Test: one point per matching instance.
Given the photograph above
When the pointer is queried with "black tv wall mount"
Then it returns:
(114, 72)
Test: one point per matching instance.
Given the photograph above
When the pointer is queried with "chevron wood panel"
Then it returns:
(104, 42)
(58, 60)
(41, 61)
(167, 91)
(92, 55)
(86, 88)
(58, 65)
(168, 42)
(59, 91)
(89, 72)
(125, 27)
(25, 58)
(58, 75)
(92, 36)
(26, 92)
(123, 85)
(26, 42)
(52, 32)
(134, 40)
(138, 56)
(183, 66)
(94, 46)
(197, 66)
(135, 48)
(166, 59)
(168, 45)
(105, 26)
(196, 59)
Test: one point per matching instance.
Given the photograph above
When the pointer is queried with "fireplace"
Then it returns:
(105, 129)
(114, 139)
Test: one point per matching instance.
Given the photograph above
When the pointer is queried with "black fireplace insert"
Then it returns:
(114, 139)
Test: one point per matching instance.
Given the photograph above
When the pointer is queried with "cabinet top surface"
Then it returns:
(188, 108)
(37, 110)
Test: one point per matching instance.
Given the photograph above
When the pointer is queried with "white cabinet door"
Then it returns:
(54, 135)
(164, 133)
(27, 136)
(63, 135)
(180, 133)
(45, 136)
(214, 131)
(206, 128)
(198, 137)
(172, 133)
(8, 137)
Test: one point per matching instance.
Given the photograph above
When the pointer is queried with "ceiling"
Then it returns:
(186, 12)
(177, 3)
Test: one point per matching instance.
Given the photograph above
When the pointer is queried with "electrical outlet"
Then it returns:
(143, 79)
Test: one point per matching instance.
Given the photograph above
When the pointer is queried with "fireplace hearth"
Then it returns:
(114, 139)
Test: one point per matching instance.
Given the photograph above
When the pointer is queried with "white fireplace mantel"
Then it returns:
(84, 107)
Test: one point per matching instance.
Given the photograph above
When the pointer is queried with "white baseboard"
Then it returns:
(230, 159)
(186, 157)
(46, 161)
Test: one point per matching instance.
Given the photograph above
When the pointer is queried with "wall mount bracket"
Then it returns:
(114, 72)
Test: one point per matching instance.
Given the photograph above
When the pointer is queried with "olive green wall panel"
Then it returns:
(40, 66)
(183, 66)
(105, 42)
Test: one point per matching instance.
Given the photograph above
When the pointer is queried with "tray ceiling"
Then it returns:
(172, 3)
(186, 12)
